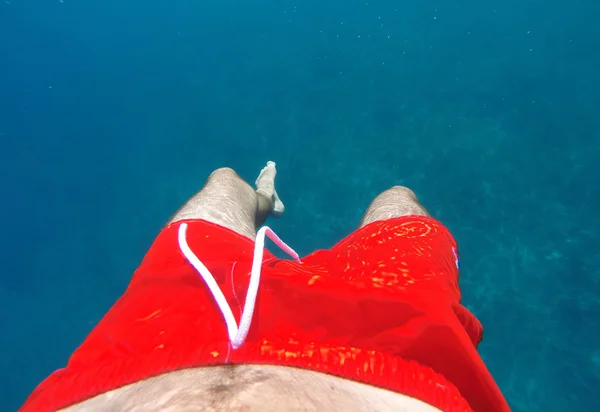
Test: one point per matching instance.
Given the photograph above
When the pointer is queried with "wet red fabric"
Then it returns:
(381, 307)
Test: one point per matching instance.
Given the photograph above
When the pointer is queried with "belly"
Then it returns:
(250, 388)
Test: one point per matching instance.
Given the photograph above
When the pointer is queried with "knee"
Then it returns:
(400, 192)
(224, 173)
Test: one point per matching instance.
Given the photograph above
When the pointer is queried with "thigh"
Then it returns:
(395, 202)
(226, 200)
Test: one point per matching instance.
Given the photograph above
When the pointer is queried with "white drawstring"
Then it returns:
(237, 334)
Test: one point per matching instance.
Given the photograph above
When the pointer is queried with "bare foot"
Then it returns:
(265, 183)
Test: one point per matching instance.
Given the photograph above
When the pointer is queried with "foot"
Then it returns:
(265, 184)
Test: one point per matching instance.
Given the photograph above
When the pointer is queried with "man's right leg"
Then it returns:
(227, 200)
(394, 202)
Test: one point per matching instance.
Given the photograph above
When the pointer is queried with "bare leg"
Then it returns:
(395, 202)
(227, 200)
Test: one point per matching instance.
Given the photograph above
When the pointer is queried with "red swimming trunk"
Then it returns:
(381, 307)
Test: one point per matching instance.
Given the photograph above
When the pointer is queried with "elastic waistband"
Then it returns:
(373, 368)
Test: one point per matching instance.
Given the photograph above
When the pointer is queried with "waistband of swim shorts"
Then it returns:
(70, 387)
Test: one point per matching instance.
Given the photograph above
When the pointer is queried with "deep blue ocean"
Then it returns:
(113, 113)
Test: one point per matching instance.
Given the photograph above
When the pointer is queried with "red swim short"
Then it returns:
(381, 307)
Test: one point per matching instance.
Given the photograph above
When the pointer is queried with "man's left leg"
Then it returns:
(395, 202)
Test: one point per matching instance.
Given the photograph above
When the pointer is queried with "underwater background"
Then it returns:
(113, 113)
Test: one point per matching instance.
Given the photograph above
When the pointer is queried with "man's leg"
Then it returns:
(229, 201)
(395, 202)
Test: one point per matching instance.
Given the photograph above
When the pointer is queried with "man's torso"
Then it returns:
(249, 388)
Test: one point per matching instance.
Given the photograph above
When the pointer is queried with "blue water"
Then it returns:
(112, 113)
